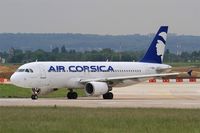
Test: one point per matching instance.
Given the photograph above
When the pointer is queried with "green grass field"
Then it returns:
(183, 64)
(92, 120)
(11, 91)
(99, 120)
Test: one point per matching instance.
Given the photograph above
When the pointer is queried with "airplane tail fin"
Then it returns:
(156, 50)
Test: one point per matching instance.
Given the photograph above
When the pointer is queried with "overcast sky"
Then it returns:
(114, 17)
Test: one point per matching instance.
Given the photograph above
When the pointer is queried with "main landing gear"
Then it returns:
(108, 95)
(35, 92)
(72, 95)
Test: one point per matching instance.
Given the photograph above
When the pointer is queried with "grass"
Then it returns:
(11, 91)
(98, 120)
(183, 64)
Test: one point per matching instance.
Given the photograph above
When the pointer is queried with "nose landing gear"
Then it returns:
(35, 92)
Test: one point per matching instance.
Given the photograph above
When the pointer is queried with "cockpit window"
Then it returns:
(31, 70)
(20, 70)
(25, 70)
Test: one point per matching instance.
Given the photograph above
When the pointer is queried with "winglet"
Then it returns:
(190, 72)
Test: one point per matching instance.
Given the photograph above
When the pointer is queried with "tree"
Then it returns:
(39, 55)
(55, 50)
(63, 49)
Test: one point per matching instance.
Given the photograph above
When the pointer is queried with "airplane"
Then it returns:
(96, 78)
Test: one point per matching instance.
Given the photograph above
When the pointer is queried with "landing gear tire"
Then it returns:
(35, 92)
(34, 97)
(108, 95)
(72, 95)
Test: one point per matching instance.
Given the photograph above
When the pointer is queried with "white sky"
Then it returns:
(100, 16)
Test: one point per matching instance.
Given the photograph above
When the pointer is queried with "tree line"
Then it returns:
(107, 54)
(83, 42)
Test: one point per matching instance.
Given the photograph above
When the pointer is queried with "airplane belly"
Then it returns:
(65, 80)
(36, 83)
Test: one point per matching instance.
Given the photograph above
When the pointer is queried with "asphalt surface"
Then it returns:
(145, 95)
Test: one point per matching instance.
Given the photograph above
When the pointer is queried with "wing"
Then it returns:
(121, 78)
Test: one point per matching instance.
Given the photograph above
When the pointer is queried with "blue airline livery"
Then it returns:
(81, 69)
(96, 78)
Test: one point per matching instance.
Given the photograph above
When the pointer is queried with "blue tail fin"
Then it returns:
(156, 50)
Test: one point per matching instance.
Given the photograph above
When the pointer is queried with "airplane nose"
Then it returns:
(18, 80)
(13, 79)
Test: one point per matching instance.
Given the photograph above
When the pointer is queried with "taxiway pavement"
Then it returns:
(145, 95)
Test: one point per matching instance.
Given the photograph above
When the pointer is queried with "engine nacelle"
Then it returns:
(96, 88)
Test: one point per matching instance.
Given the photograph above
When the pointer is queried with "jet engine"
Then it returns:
(96, 88)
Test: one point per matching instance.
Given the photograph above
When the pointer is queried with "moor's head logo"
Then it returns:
(160, 46)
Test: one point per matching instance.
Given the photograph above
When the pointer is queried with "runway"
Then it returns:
(154, 103)
(145, 95)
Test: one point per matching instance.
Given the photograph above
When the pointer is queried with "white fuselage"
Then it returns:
(68, 74)
(97, 78)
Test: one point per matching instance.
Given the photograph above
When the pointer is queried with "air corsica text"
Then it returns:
(81, 69)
